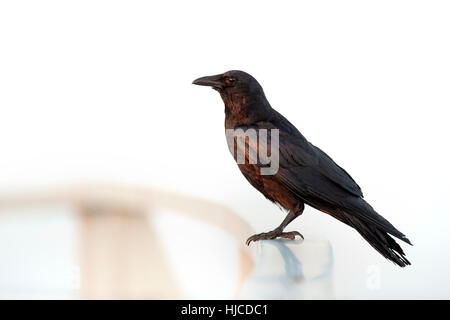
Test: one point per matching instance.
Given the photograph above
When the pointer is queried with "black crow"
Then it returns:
(303, 174)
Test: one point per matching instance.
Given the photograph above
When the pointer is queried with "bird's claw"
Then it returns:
(273, 235)
(291, 235)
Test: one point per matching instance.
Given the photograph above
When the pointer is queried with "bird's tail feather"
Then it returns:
(380, 240)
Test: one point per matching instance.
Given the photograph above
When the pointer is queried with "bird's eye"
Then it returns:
(230, 80)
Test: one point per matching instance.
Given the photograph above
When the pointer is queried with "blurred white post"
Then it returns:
(287, 269)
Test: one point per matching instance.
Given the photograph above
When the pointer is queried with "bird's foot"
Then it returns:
(273, 235)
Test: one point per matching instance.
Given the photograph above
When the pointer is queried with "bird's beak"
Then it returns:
(211, 81)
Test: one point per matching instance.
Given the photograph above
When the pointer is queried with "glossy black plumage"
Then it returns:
(306, 174)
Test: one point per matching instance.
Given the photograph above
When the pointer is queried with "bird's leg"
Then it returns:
(278, 232)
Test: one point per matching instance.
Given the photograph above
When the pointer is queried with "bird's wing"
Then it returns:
(304, 167)
(314, 177)
(300, 155)
(310, 173)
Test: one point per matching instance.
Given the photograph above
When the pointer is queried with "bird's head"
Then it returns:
(240, 92)
(230, 82)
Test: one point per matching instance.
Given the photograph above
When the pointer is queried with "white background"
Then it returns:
(101, 90)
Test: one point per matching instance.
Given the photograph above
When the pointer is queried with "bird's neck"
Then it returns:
(245, 110)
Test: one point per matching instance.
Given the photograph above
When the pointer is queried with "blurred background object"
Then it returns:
(300, 269)
(135, 242)
(112, 247)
